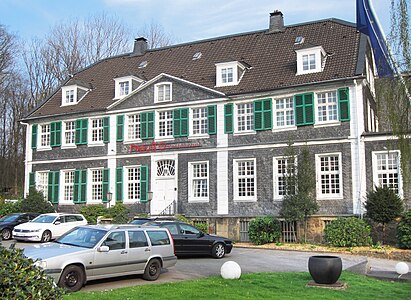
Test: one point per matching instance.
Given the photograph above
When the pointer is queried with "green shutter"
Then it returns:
(262, 114)
(143, 183)
(81, 132)
(304, 109)
(119, 184)
(53, 187)
(32, 180)
(120, 128)
(80, 186)
(180, 122)
(147, 125)
(55, 134)
(106, 181)
(106, 130)
(228, 118)
(34, 136)
(83, 185)
(212, 119)
(344, 104)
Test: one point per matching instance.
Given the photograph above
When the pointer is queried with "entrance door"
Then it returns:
(165, 186)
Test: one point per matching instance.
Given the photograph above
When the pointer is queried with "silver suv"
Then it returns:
(100, 251)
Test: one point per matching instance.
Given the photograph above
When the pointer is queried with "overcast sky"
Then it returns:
(185, 20)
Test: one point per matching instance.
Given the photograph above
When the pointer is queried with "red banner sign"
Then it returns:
(161, 146)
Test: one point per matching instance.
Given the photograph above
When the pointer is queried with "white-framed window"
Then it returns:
(198, 181)
(284, 112)
(245, 179)
(229, 73)
(72, 94)
(42, 183)
(44, 136)
(133, 183)
(310, 60)
(199, 121)
(327, 107)
(245, 117)
(68, 185)
(387, 170)
(163, 92)
(165, 124)
(69, 97)
(69, 133)
(329, 176)
(96, 184)
(124, 88)
(133, 127)
(281, 168)
(97, 131)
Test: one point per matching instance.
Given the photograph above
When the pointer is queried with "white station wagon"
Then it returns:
(47, 227)
(101, 251)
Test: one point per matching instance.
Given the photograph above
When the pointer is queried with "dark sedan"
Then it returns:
(8, 222)
(189, 240)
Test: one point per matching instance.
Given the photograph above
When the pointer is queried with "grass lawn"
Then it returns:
(257, 286)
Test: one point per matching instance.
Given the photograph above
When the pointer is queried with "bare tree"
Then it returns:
(155, 35)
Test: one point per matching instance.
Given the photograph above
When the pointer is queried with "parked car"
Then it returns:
(189, 240)
(101, 251)
(140, 220)
(8, 222)
(47, 227)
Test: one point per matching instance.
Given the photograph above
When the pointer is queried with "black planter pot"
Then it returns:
(325, 269)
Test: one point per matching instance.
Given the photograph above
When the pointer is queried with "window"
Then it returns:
(309, 62)
(158, 238)
(97, 130)
(97, 185)
(245, 117)
(245, 179)
(124, 88)
(137, 239)
(133, 183)
(115, 241)
(165, 124)
(42, 183)
(327, 107)
(69, 97)
(198, 181)
(69, 133)
(280, 170)
(329, 176)
(68, 185)
(162, 92)
(284, 112)
(72, 94)
(45, 136)
(133, 127)
(386, 170)
(229, 73)
(200, 121)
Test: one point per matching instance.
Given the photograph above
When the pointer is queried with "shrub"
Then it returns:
(383, 205)
(119, 213)
(9, 208)
(92, 212)
(22, 280)
(202, 226)
(36, 203)
(264, 230)
(348, 232)
(404, 231)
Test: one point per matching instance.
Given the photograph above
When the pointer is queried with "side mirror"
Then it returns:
(200, 234)
(103, 249)
(57, 223)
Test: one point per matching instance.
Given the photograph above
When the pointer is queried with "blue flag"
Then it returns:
(367, 23)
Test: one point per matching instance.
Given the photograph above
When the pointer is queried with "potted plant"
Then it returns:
(325, 269)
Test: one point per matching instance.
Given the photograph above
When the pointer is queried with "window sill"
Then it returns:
(202, 136)
(244, 132)
(327, 124)
(128, 142)
(165, 139)
(95, 144)
(285, 128)
(39, 149)
(194, 200)
(330, 197)
(245, 199)
(69, 146)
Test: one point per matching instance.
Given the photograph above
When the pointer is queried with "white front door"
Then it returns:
(165, 186)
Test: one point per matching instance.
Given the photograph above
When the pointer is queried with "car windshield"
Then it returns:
(82, 237)
(139, 221)
(44, 219)
(9, 218)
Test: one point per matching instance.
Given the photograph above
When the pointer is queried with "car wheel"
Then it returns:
(153, 270)
(72, 278)
(6, 234)
(46, 236)
(218, 251)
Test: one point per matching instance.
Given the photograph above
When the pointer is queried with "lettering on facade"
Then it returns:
(161, 146)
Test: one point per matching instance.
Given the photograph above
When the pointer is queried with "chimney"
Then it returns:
(140, 46)
(276, 22)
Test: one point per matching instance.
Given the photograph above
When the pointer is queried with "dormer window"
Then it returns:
(72, 94)
(310, 60)
(125, 85)
(163, 92)
(124, 88)
(229, 73)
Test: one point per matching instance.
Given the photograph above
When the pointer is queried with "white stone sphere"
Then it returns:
(230, 270)
(402, 268)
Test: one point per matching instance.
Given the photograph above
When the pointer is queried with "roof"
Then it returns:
(272, 58)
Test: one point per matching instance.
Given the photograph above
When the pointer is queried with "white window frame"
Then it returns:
(160, 92)
(132, 125)
(236, 68)
(236, 177)
(73, 89)
(319, 55)
(327, 105)
(285, 111)
(118, 91)
(328, 196)
(98, 130)
(71, 133)
(376, 172)
(191, 179)
(168, 125)
(277, 176)
(67, 186)
(42, 182)
(46, 135)
(243, 115)
(202, 122)
(137, 182)
(94, 185)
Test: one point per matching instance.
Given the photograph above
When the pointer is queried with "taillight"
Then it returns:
(172, 240)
